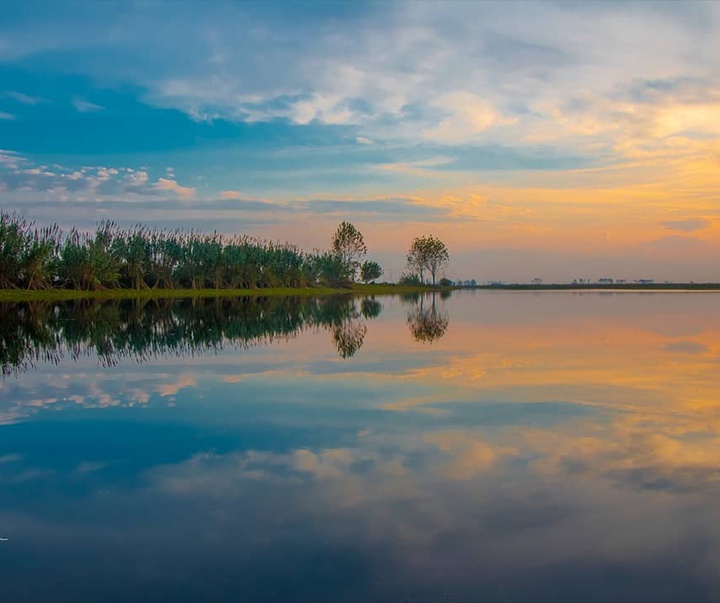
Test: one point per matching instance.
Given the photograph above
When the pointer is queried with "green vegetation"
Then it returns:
(140, 258)
(427, 254)
(370, 271)
(349, 247)
(140, 262)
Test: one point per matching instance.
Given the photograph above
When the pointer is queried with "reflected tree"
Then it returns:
(348, 337)
(428, 321)
(147, 329)
(370, 307)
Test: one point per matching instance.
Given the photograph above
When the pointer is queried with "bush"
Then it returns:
(409, 279)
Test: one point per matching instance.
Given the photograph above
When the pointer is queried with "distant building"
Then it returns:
(605, 281)
(645, 281)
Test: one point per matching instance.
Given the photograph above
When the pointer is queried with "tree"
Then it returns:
(369, 271)
(427, 324)
(427, 254)
(348, 243)
(331, 270)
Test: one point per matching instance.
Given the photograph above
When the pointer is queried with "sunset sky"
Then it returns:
(538, 139)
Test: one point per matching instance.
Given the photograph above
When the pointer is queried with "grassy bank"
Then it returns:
(19, 295)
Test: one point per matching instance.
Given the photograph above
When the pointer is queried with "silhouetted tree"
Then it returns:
(427, 254)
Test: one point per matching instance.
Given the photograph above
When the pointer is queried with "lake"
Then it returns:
(483, 446)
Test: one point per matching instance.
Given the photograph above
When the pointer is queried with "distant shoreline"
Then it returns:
(602, 287)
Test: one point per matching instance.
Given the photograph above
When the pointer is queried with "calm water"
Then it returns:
(486, 447)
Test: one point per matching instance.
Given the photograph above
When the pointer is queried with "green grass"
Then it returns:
(19, 295)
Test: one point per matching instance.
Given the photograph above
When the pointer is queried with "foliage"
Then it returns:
(445, 282)
(348, 243)
(410, 278)
(141, 258)
(27, 253)
(427, 254)
(331, 270)
(369, 271)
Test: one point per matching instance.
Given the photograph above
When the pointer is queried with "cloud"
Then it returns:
(7, 116)
(165, 184)
(170, 389)
(25, 99)
(230, 195)
(690, 225)
(687, 347)
(363, 140)
(26, 178)
(407, 207)
(10, 159)
(422, 72)
(84, 106)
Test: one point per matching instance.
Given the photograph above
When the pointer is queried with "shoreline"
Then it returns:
(597, 287)
(23, 295)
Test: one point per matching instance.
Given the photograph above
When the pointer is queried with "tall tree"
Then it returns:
(427, 254)
(348, 243)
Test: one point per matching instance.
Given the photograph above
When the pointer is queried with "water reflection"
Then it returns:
(145, 329)
(427, 319)
(548, 447)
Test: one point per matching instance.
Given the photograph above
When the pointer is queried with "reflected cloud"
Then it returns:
(170, 389)
(537, 419)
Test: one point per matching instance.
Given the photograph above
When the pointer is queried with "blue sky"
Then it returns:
(536, 138)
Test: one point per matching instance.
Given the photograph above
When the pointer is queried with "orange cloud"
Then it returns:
(165, 184)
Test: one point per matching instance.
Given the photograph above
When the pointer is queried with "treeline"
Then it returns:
(34, 332)
(141, 257)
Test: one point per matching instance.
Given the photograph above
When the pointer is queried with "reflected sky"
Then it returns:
(550, 446)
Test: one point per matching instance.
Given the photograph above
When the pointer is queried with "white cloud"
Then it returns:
(443, 72)
(165, 184)
(448, 72)
(22, 176)
(25, 99)
(84, 106)
(7, 116)
(10, 159)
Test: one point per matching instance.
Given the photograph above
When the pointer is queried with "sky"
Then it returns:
(545, 139)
